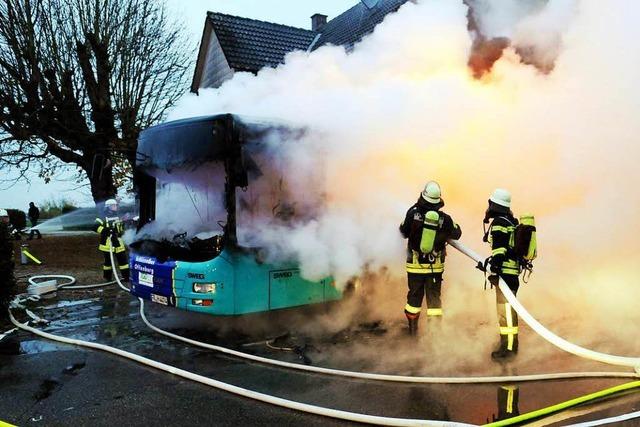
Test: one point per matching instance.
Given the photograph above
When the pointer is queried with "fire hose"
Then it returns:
(312, 409)
(297, 405)
(561, 343)
(521, 418)
(50, 284)
(367, 375)
(386, 377)
(568, 404)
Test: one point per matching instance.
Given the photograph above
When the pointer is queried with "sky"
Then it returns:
(192, 12)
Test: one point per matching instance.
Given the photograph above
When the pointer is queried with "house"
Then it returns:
(232, 44)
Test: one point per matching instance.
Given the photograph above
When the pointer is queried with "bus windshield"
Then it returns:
(190, 213)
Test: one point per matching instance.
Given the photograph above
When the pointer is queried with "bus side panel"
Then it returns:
(263, 287)
(288, 289)
(331, 292)
(252, 284)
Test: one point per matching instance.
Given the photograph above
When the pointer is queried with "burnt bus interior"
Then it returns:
(225, 162)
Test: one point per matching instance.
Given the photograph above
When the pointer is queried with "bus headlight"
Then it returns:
(204, 288)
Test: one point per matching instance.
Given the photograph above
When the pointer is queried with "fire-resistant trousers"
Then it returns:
(419, 285)
(121, 261)
(507, 316)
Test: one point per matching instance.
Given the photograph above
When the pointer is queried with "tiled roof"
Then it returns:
(349, 27)
(250, 45)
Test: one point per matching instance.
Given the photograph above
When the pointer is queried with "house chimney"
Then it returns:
(318, 21)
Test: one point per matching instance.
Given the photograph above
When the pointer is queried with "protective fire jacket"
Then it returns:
(501, 237)
(111, 230)
(411, 228)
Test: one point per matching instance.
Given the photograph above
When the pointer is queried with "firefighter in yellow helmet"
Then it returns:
(427, 229)
(111, 228)
(505, 264)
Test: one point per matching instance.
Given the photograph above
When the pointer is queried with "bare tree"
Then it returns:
(79, 80)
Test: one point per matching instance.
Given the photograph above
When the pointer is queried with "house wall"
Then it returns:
(216, 69)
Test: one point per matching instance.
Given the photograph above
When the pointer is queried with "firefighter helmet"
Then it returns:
(431, 192)
(3, 212)
(111, 204)
(501, 197)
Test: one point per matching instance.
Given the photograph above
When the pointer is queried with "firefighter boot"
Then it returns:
(413, 327)
(413, 323)
(503, 352)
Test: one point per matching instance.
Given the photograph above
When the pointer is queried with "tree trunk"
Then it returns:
(8, 287)
(100, 174)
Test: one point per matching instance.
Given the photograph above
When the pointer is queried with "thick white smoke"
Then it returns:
(404, 108)
(534, 27)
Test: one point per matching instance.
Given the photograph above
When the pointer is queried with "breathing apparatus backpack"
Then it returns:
(525, 244)
(429, 231)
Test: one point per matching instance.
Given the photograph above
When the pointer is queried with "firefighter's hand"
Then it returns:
(495, 267)
(481, 267)
(496, 263)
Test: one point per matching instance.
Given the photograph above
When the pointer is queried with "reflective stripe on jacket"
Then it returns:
(420, 263)
(111, 230)
(501, 236)
(411, 229)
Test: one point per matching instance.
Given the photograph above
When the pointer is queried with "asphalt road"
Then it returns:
(49, 384)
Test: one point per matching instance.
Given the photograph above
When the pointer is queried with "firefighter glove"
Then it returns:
(496, 264)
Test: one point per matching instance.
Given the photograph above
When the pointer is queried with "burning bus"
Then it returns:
(208, 188)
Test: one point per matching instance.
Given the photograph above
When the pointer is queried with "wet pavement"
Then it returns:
(53, 384)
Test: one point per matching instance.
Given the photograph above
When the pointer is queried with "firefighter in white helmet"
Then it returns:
(427, 229)
(4, 217)
(504, 264)
(111, 228)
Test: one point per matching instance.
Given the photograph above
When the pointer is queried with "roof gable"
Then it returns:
(232, 43)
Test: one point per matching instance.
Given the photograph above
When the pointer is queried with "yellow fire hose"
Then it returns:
(564, 405)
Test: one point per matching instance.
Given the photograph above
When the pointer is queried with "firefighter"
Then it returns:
(505, 264)
(427, 229)
(4, 217)
(110, 228)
